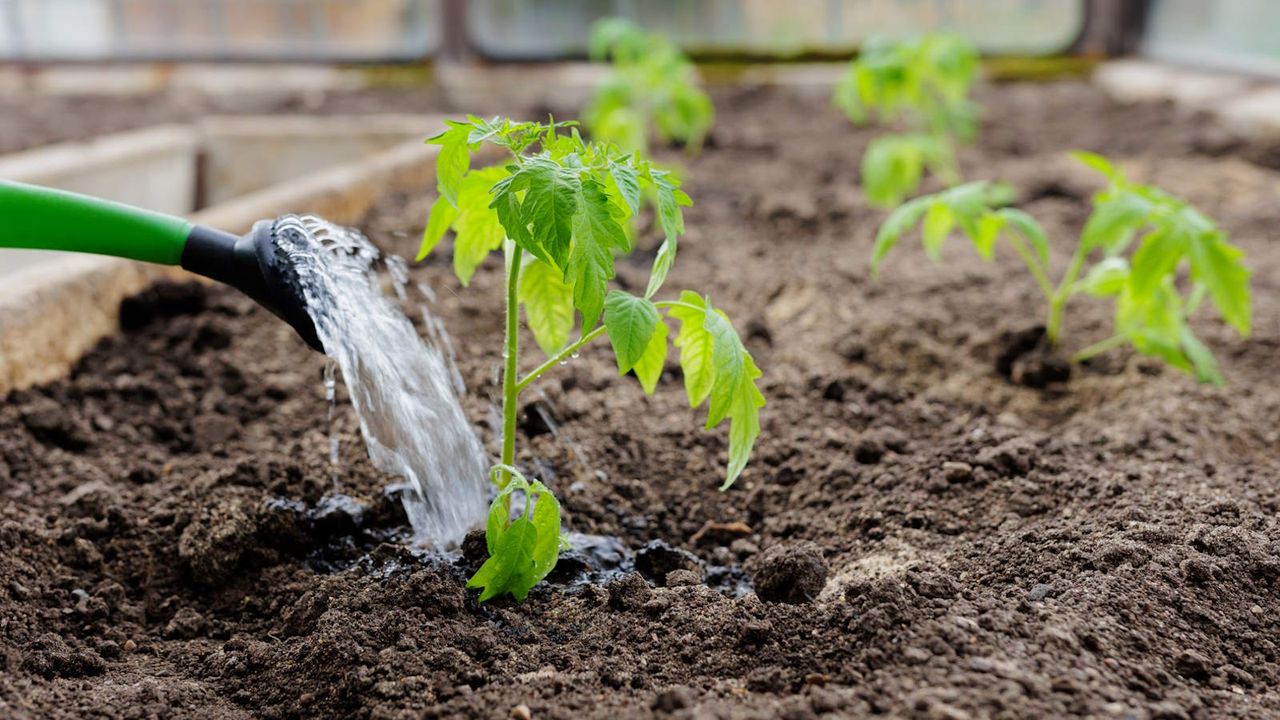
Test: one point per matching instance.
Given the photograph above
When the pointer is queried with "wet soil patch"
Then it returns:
(916, 536)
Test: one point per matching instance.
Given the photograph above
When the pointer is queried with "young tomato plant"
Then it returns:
(557, 210)
(652, 89)
(922, 87)
(1141, 238)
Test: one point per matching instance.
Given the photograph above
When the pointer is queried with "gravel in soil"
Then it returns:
(924, 538)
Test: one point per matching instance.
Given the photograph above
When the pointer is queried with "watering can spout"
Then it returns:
(47, 219)
(254, 265)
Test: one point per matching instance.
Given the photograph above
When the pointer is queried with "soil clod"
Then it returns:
(1025, 358)
(656, 560)
(789, 573)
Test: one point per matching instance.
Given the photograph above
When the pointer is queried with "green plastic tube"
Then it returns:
(46, 219)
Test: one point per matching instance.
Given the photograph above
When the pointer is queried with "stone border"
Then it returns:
(52, 314)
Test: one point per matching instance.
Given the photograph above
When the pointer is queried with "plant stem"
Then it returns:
(1098, 348)
(1042, 279)
(948, 168)
(677, 303)
(1197, 297)
(559, 358)
(510, 357)
(583, 341)
(1058, 301)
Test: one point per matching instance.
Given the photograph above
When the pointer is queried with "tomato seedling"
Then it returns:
(558, 211)
(1144, 237)
(652, 90)
(922, 87)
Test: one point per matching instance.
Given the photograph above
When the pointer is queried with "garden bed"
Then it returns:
(173, 540)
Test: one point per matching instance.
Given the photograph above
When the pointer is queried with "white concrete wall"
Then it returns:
(152, 169)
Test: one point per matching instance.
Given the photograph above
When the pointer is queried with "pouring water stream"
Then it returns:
(404, 390)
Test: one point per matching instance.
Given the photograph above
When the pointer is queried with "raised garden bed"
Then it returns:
(1103, 548)
(226, 172)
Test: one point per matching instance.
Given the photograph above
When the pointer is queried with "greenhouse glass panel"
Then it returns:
(34, 30)
(559, 28)
(1225, 34)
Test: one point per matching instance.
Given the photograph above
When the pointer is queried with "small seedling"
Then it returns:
(652, 90)
(558, 211)
(1164, 233)
(922, 87)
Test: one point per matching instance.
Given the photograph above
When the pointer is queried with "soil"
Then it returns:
(925, 538)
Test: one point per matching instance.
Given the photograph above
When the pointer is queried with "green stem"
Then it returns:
(1058, 302)
(1198, 294)
(559, 358)
(1042, 279)
(948, 168)
(677, 303)
(510, 389)
(1098, 348)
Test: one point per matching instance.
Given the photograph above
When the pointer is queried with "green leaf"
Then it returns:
(1203, 364)
(891, 169)
(628, 185)
(523, 550)
(441, 216)
(695, 347)
(670, 199)
(1102, 165)
(630, 322)
(550, 205)
(453, 160)
(487, 130)
(662, 263)
(546, 520)
(1220, 267)
(894, 227)
(1114, 221)
(1154, 322)
(548, 304)
(477, 229)
(734, 394)
(1106, 279)
(508, 568)
(1027, 226)
(1156, 259)
(718, 368)
(938, 222)
(505, 202)
(648, 368)
(986, 231)
(596, 234)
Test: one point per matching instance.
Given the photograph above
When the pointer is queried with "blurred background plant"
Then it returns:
(920, 88)
(651, 90)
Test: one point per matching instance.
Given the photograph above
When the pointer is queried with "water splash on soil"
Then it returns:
(401, 387)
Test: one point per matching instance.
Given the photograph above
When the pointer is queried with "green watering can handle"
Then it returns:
(42, 218)
(46, 219)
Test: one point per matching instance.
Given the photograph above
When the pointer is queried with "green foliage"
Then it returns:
(652, 90)
(1145, 238)
(523, 549)
(921, 86)
(893, 166)
(559, 209)
(923, 83)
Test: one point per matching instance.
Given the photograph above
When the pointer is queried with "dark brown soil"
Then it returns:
(928, 539)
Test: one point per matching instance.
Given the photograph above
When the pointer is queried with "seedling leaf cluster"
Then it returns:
(652, 90)
(560, 210)
(921, 88)
(1145, 244)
